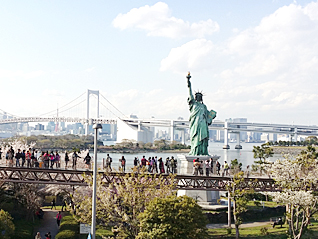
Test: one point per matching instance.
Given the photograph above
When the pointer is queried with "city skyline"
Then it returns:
(251, 59)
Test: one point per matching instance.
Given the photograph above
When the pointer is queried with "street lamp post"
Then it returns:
(96, 127)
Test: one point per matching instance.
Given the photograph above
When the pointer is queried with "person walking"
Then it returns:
(38, 236)
(152, 164)
(28, 159)
(74, 158)
(87, 161)
(136, 164)
(168, 164)
(218, 167)
(207, 167)
(46, 158)
(247, 171)
(155, 165)
(149, 165)
(143, 162)
(48, 235)
(63, 206)
(173, 164)
(57, 159)
(211, 166)
(66, 159)
(53, 204)
(17, 158)
(23, 158)
(123, 164)
(201, 168)
(161, 165)
(11, 156)
(52, 159)
(196, 165)
(33, 158)
(58, 218)
(109, 161)
(226, 168)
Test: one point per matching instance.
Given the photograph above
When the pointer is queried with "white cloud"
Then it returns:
(157, 21)
(187, 57)
(272, 66)
(145, 104)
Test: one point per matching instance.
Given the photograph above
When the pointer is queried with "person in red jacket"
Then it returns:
(58, 218)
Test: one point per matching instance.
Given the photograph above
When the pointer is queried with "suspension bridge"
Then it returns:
(79, 110)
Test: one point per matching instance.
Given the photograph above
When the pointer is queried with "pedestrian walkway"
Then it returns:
(48, 223)
(244, 225)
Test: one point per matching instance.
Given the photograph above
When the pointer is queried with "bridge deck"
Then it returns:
(76, 178)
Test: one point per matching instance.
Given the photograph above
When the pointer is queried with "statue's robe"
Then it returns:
(200, 119)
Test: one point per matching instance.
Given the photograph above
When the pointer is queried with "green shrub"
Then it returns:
(6, 225)
(257, 203)
(69, 224)
(70, 227)
(264, 231)
(229, 230)
(66, 234)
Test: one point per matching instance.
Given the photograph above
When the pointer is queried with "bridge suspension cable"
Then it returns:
(73, 106)
(59, 109)
(114, 107)
(6, 112)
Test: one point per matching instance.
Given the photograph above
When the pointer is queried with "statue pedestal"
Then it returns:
(203, 197)
(186, 162)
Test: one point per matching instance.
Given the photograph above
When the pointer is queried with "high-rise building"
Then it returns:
(39, 127)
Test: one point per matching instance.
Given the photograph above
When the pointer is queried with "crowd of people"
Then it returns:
(46, 159)
(50, 159)
(152, 164)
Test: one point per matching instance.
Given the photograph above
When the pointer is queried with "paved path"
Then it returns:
(48, 223)
(244, 225)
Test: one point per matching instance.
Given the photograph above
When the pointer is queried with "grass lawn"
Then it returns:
(59, 208)
(252, 204)
(255, 232)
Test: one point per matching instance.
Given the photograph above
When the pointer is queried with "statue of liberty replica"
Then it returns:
(200, 119)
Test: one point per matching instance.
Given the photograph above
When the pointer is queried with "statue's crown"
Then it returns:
(198, 93)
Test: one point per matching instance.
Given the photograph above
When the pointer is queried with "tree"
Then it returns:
(298, 178)
(238, 193)
(235, 166)
(173, 217)
(161, 144)
(262, 152)
(6, 225)
(121, 202)
(29, 197)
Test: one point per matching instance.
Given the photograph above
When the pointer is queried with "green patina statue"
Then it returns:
(200, 119)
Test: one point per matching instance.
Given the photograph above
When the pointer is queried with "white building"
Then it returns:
(131, 132)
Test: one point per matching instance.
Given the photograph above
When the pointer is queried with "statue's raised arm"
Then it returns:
(189, 86)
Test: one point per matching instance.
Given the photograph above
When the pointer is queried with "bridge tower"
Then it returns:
(89, 121)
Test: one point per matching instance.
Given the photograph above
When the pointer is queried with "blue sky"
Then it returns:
(253, 59)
